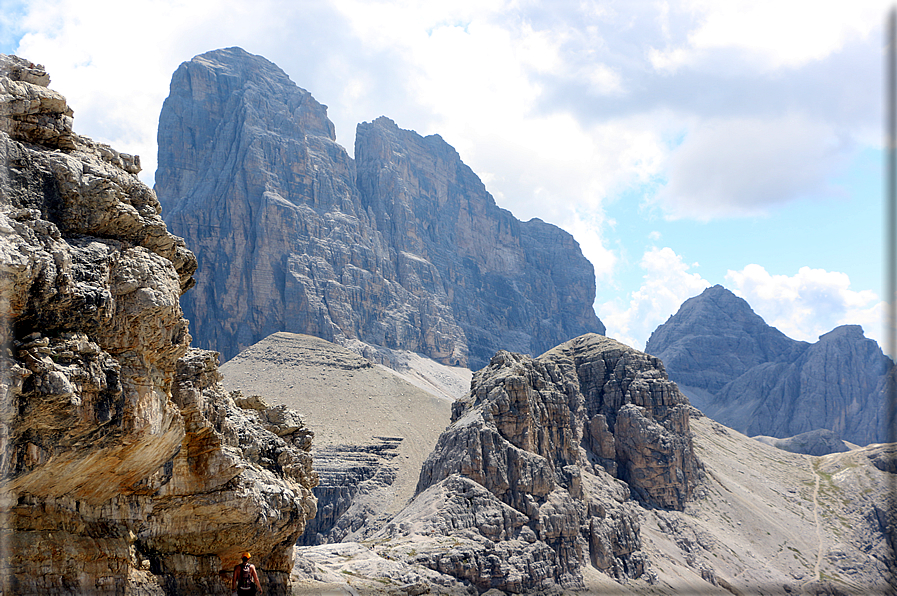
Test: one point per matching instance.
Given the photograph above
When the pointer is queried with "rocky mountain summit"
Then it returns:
(821, 441)
(124, 466)
(401, 248)
(540, 472)
(751, 377)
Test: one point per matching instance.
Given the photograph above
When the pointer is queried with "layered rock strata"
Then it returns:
(751, 377)
(542, 468)
(124, 467)
(401, 248)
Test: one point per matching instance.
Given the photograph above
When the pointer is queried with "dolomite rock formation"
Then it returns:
(401, 248)
(763, 521)
(537, 473)
(751, 377)
(124, 467)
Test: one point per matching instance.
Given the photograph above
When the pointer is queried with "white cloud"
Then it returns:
(810, 303)
(667, 284)
(771, 34)
(586, 230)
(744, 166)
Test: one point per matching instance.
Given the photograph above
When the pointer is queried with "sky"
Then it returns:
(683, 143)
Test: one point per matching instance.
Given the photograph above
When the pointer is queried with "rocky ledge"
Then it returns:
(124, 466)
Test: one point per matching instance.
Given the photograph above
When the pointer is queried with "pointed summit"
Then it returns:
(715, 337)
(751, 377)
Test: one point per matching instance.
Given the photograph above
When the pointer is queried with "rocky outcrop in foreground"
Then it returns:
(544, 465)
(400, 248)
(124, 467)
(751, 377)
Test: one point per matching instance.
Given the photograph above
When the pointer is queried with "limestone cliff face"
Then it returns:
(540, 467)
(753, 378)
(401, 247)
(124, 468)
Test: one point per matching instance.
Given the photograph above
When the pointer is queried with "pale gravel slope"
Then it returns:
(346, 400)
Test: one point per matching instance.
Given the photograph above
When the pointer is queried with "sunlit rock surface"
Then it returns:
(544, 465)
(124, 467)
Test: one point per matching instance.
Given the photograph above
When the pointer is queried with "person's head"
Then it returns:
(245, 557)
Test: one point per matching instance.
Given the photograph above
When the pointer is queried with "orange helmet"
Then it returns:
(245, 555)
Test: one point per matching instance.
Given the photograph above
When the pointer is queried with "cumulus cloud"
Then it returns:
(810, 303)
(773, 34)
(667, 284)
(557, 109)
(743, 166)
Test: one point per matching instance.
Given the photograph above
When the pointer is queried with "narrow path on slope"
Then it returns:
(816, 571)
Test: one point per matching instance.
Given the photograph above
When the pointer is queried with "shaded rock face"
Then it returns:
(539, 467)
(124, 468)
(345, 471)
(751, 377)
(401, 248)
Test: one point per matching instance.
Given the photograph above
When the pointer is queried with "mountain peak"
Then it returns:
(844, 331)
(750, 376)
(401, 248)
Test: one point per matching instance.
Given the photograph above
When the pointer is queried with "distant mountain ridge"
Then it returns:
(402, 247)
(751, 377)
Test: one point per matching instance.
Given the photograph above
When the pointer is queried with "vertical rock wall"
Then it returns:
(124, 468)
(401, 247)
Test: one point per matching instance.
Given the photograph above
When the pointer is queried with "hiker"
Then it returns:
(246, 580)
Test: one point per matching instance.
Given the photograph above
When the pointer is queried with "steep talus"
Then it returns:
(401, 248)
(124, 467)
(373, 429)
(529, 476)
(751, 377)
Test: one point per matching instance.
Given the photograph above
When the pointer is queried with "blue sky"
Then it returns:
(683, 143)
